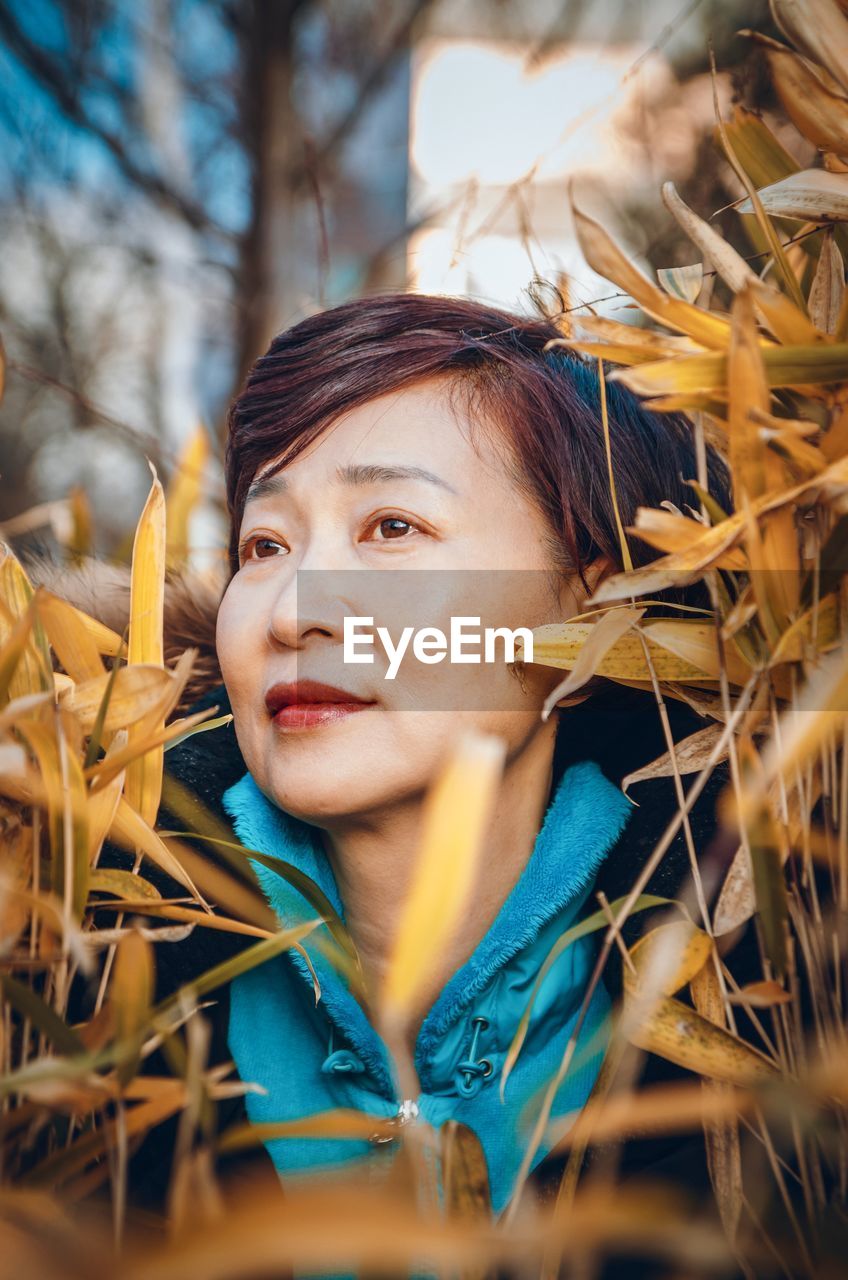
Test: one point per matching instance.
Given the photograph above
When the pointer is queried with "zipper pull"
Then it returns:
(407, 1112)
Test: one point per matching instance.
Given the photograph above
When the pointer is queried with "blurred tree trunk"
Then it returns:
(268, 284)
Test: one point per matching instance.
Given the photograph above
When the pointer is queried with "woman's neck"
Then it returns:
(373, 866)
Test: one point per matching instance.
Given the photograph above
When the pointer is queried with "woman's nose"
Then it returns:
(303, 608)
(311, 601)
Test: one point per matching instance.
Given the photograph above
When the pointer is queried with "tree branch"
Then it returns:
(47, 71)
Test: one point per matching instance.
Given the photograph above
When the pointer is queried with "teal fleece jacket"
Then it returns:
(310, 1056)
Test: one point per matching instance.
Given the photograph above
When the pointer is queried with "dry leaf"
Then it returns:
(819, 29)
(813, 195)
(145, 645)
(690, 755)
(827, 291)
(603, 635)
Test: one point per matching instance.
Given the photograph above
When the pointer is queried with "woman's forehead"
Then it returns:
(402, 435)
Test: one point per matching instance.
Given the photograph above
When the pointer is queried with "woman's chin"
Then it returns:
(331, 799)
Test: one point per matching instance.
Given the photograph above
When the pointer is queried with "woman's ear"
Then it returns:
(573, 700)
(601, 567)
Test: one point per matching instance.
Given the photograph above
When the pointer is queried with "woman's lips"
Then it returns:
(307, 704)
(311, 714)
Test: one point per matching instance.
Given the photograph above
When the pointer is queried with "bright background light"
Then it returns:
(494, 144)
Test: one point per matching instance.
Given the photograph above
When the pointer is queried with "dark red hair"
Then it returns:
(546, 403)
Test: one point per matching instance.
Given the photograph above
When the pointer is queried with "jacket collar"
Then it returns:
(586, 814)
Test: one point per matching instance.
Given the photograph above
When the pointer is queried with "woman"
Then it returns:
(410, 459)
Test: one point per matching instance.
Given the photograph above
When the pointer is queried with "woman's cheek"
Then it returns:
(237, 648)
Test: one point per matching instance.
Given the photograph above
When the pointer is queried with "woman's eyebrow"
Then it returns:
(374, 472)
(268, 486)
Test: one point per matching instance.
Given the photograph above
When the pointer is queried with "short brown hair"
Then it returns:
(547, 403)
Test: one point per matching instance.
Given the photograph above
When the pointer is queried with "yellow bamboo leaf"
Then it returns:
(173, 691)
(818, 714)
(604, 256)
(631, 335)
(741, 612)
(136, 691)
(789, 436)
(678, 651)
(781, 263)
(729, 264)
(768, 849)
(676, 569)
(819, 29)
(70, 638)
(108, 642)
(736, 902)
(116, 761)
(126, 885)
(131, 831)
(818, 111)
(817, 628)
(762, 995)
(600, 640)
(695, 642)
(15, 878)
(672, 1030)
(667, 958)
(102, 808)
(787, 366)
(828, 486)
(456, 816)
(691, 755)
(703, 402)
(168, 910)
(15, 637)
(762, 156)
(467, 1192)
(804, 458)
(61, 776)
(33, 669)
(815, 195)
(722, 1136)
(131, 994)
(773, 551)
(788, 322)
(626, 558)
(559, 644)
(670, 532)
(682, 282)
(827, 292)
(616, 352)
(184, 493)
(146, 644)
(81, 540)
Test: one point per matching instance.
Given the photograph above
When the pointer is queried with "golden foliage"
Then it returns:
(85, 719)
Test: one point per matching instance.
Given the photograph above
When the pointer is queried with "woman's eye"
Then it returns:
(392, 528)
(261, 548)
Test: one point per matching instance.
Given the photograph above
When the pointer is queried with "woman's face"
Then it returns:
(391, 487)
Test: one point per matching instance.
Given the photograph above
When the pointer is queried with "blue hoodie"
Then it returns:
(313, 1056)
